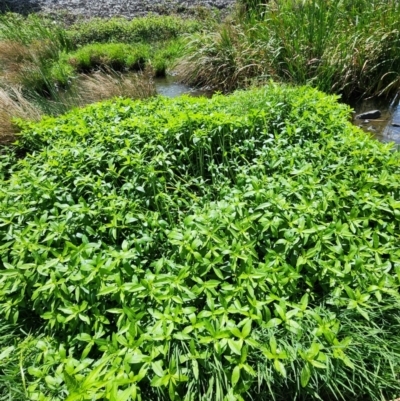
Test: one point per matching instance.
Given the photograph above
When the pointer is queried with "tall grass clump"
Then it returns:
(30, 49)
(346, 47)
(118, 56)
(86, 89)
(222, 59)
(146, 29)
(42, 71)
(32, 28)
(234, 248)
(14, 105)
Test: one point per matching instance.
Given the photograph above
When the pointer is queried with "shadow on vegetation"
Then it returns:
(20, 6)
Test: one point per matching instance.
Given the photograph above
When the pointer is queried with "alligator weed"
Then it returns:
(236, 248)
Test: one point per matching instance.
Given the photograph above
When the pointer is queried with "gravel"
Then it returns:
(111, 8)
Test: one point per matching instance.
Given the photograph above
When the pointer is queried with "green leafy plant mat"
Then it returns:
(239, 247)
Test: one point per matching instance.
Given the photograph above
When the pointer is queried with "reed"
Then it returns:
(347, 47)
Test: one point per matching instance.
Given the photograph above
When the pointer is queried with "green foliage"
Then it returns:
(117, 56)
(148, 29)
(30, 48)
(44, 59)
(165, 55)
(252, 8)
(32, 28)
(17, 351)
(343, 47)
(9, 370)
(120, 56)
(230, 248)
(96, 30)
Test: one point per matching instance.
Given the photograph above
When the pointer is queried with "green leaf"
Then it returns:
(157, 368)
(348, 362)
(236, 332)
(273, 323)
(305, 375)
(6, 352)
(273, 345)
(280, 367)
(84, 318)
(157, 381)
(246, 329)
(317, 364)
(181, 336)
(235, 346)
(108, 290)
(10, 273)
(235, 375)
(171, 390)
(195, 366)
(363, 313)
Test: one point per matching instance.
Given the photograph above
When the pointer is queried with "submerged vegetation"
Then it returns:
(347, 47)
(239, 247)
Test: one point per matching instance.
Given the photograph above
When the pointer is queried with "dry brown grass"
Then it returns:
(105, 85)
(13, 56)
(12, 52)
(19, 62)
(88, 89)
(14, 105)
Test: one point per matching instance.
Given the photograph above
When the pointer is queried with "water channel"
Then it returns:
(170, 87)
(387, 127)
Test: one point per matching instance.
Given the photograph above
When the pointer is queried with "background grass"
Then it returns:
(343, 47)
(148, 29)
(46, 68)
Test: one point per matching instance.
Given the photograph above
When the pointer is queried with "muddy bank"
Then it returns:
(111, 8)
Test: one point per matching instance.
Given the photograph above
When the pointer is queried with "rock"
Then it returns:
(112, 8)
(369, 115)
(395, 124)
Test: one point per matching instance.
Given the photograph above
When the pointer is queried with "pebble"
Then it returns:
(369, 115)
(111, 8)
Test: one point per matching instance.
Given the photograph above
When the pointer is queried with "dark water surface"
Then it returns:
(168, 86)
(387, 127)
